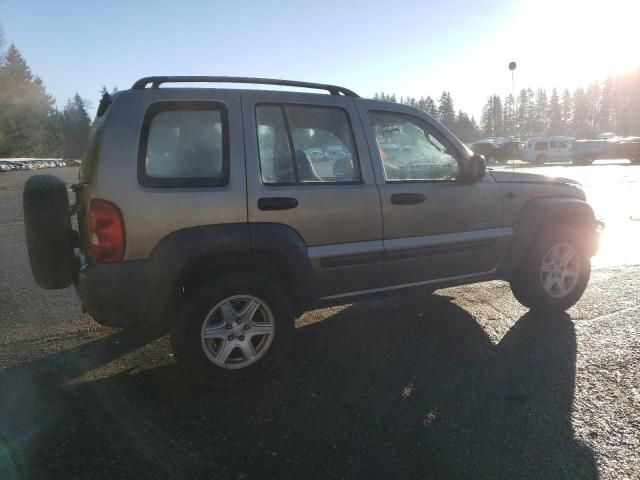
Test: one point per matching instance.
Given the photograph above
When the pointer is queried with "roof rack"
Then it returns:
(157, 81)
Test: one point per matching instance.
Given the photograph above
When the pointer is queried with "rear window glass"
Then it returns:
(184, 144)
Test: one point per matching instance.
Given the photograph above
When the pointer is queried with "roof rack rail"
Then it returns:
(157, 81)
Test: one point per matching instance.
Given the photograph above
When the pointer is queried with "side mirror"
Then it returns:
(477, 168)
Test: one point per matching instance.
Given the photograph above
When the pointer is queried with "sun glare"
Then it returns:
(578, 41)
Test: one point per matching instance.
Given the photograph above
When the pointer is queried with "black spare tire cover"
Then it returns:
(47, 223)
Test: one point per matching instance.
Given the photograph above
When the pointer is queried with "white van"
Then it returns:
(548, 149)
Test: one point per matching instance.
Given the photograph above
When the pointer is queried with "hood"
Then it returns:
(504, 176)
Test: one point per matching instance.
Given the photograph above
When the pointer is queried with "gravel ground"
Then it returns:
(462, 384)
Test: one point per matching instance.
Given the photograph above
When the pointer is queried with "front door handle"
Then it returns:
(277, 203)
(407, 198)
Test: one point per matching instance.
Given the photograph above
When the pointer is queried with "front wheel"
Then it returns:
(234, 330)
(555, 272)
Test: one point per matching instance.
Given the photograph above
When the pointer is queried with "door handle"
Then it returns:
(277, 203)
(407, 198)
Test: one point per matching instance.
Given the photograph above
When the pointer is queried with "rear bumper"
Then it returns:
(113, 293)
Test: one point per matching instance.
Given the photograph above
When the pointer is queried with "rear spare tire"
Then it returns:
(47, 224)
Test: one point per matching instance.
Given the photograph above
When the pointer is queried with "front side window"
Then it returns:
(541, 146)
(184, 144)
(305, 144)
(411, 150)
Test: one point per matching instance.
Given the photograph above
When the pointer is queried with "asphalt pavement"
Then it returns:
(462, 384)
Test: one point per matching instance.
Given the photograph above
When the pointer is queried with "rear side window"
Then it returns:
(184, 144)
(305, 144)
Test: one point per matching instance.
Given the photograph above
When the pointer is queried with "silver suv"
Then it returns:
(201, 213)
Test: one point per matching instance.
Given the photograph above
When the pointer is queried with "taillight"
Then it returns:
(106, 231)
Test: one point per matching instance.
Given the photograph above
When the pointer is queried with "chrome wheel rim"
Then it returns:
(237, 332)
(560, 270)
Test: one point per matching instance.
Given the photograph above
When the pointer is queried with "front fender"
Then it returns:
(540, 212)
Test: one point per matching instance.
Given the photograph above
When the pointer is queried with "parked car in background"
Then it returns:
(499, 152)
(540, 150)
(336, 152)
(586, 151)
(628, 148)
(315, 154)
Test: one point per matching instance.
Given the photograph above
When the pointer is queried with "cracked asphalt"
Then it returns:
(462, 384)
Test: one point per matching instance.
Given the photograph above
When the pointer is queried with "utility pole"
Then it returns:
(512, 67)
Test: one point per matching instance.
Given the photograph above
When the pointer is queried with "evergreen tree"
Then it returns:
(522, 120)
(75, 127)
(26, 109)
(446, 112)
(607, 108)
(567, 112)
(556, 126)
(430, 107)
(592, 98)
(491, 122)
(465, 128)
(541, 114)
(580, 120)
(508, 115)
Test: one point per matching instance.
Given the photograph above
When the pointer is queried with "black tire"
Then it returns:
(186, 334)
(541, 159)
(47, 223)
(527, 286)
(583, 160)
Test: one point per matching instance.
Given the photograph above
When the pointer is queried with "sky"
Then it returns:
(415, 48)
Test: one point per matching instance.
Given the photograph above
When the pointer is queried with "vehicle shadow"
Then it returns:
(411, 388)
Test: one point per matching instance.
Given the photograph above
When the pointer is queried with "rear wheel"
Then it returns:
(584, 160)
(541, 159)
(555, 272)
(235, 330)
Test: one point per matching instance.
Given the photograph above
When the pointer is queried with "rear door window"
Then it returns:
(305, 144)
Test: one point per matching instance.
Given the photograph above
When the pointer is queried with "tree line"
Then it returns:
(32, 126)
(30, 123)
(609, 106)
(465, 127)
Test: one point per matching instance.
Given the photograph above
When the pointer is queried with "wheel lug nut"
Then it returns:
(241, 338)
(230, 337)
(246, 327)
(228, 326)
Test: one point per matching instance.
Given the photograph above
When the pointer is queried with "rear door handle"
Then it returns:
(407, 198)
(277, 203)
